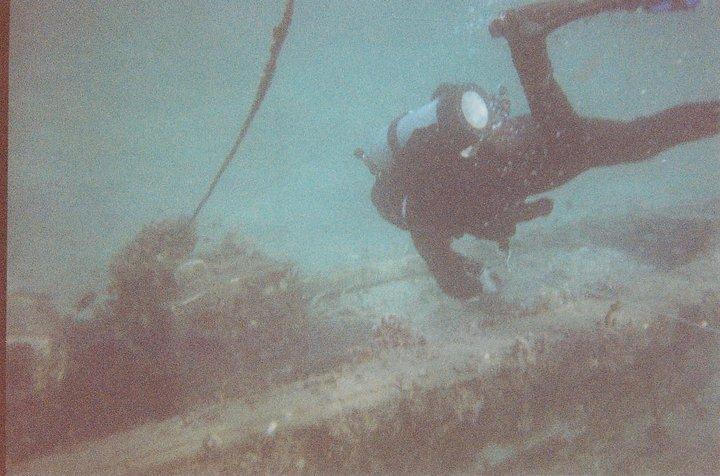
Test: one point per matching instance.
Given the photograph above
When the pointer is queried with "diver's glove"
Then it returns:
(489, 282)
(484, 280)
(468, 281)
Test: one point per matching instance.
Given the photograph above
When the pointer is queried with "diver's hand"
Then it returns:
(462, 287)
(462, 280)
(503, 230)
(470, 282)
(457, 275)
(529, 211)
(484, 280)
(472, 287)
(489, 281)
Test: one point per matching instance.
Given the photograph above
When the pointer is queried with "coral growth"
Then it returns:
(392, 333)
(173, 328)
(603, 400)
(36, 364)
(123, 368)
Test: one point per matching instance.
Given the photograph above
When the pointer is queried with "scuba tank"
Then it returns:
(460, 117)
(457, 114)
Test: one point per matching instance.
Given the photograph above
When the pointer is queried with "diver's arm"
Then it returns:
(503, 227)
(456, 275)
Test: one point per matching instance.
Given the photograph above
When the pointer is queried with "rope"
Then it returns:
(279, 34)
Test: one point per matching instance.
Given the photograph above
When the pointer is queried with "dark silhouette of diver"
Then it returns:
(459, 165)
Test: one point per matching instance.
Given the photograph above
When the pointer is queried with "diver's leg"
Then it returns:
(615, 142)
(547, 16)
(526, 29)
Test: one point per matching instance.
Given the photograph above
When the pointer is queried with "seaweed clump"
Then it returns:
(123, 367)
(392, 333)
(173, 328)
(35, 367)
(252, 310)
(614, 400)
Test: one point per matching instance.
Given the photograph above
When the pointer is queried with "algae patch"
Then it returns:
(173, 328)
(609, 400)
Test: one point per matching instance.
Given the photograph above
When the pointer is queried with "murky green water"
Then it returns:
(120, 113)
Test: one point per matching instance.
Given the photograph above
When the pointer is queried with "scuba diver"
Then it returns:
(460, 165)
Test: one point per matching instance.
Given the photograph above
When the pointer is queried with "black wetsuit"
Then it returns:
(445, 196)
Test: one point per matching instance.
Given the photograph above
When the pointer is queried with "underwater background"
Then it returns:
(292, 330)
(121, 112)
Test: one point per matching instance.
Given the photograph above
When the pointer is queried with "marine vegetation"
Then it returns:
(392, 333)
(609, 400)
(200, 338)
(174, 327)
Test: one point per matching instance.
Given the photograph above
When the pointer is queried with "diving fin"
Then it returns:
(663, 6)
